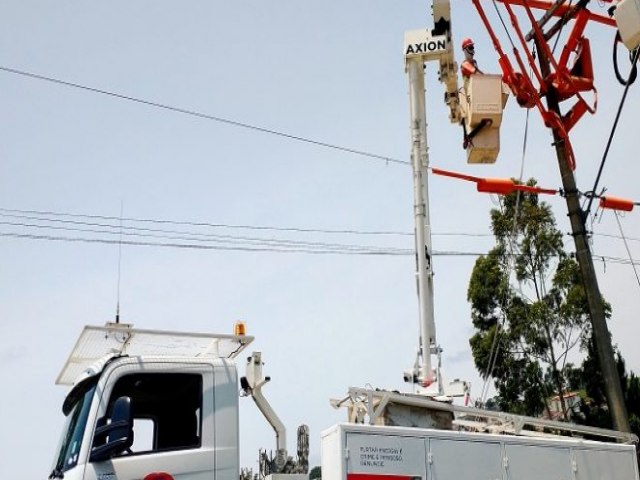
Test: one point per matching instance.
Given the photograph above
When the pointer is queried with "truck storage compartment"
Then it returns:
(370, 452)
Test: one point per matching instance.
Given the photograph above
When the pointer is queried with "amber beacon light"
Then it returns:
(240, 328)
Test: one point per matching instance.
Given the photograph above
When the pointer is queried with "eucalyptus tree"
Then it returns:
(528, 307)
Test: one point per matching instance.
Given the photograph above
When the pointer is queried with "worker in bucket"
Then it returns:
(469, 65)
(468, 68)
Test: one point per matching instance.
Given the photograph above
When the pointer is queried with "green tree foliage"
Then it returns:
(528, 307)
(315, 473)
(588, 380)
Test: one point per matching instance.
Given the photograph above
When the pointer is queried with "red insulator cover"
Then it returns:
(615, 203)
(501, 186)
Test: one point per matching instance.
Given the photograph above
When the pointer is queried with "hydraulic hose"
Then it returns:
(633, 74)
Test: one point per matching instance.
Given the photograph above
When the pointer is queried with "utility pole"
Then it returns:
(601, 334)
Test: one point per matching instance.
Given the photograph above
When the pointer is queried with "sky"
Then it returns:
(328, 71)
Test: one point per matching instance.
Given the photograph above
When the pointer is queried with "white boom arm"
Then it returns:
(422, 46)
(252, 385)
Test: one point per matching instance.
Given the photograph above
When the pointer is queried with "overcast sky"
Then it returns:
(329, 71)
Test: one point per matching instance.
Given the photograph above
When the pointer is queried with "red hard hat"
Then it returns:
(467, 42)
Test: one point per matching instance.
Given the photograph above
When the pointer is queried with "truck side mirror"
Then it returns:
(116, 436)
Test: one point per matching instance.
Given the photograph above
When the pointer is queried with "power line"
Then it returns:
(81, 220)
(635, 271)
(218, 239)
(198, 224)
(206, 116)
(364, 250)
(495, 344)
(117, 241)
(611, 134)
(194, 238)
(225, 242)
(62, 217)
(617, 260)
(504, 25)
(618, 237)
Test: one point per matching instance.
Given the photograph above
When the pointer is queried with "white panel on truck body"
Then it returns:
(394, 455)
(533, 462)
(458, 459)
(604, 465)
(333, 453)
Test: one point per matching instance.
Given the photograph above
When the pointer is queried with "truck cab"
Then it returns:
(145, 403)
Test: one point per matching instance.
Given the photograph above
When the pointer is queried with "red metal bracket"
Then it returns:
(571, 75)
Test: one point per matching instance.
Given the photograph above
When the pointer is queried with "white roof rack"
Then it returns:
(95, 343)
(366, 403)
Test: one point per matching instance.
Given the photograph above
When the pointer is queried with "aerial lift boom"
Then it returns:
(423, 46)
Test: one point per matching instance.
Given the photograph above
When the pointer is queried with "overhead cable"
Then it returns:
(63, 217)
(365, 250)
(220, 240)
(242, 248)
(495, 344)
(206, 116)
(635, 271)
(129, 223)
(611, 134)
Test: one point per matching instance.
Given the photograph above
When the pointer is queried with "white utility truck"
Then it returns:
(151, 405)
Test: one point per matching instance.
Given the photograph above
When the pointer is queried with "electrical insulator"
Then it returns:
(615, 203)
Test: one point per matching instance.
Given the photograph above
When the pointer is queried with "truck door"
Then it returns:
(465, 459)
(385, 457)
(169, 409)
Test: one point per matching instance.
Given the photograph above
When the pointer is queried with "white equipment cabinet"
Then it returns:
(365, 452)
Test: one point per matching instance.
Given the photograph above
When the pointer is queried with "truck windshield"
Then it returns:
(73, 431)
